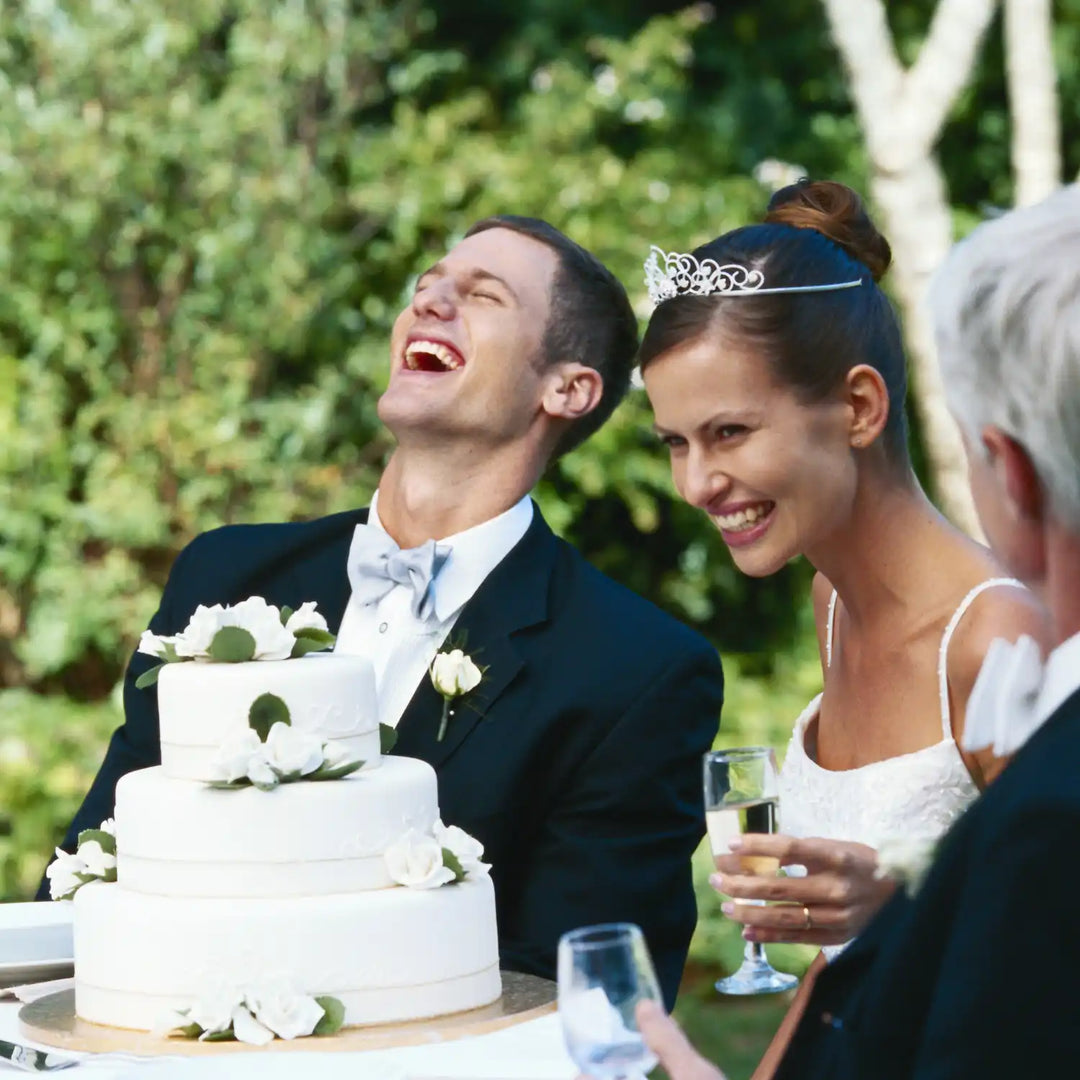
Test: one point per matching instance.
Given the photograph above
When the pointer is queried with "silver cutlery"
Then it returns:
(26, 1057)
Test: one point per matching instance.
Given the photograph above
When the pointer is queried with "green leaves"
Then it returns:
(334, 772)
(333, 1016)
(388, 737)
(106, 840)
(266, 711)
(451, 862)
(311, 639)
(232, 645)
(148, 677)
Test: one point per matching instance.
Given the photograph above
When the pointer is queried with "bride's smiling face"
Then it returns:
(775, 474)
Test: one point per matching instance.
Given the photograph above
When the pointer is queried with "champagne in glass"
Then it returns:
(728, 822)
(604, 971)
(742, 796)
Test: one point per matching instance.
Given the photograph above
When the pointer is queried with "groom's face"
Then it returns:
(465, 354)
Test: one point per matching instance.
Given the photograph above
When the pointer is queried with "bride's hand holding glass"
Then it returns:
(839, 895)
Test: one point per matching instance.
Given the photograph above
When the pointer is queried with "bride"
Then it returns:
(775, 370)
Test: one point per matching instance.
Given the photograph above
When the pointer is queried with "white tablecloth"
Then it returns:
(529, 1051)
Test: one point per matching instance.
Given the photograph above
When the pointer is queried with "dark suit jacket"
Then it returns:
(579, 767)
(976, 977)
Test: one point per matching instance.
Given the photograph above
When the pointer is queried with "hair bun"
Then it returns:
(834, 211)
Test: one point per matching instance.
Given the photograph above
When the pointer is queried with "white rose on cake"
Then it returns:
(416, 861)
(305, 618)
(290, 751)
(63, 874)
(287, 1013)
(155, 644)
(465, 848)
(96, 860)
(234, 757)
(213, 1012)
(260, 619)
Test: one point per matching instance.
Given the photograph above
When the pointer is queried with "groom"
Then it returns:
(976, 976)
(577, 760)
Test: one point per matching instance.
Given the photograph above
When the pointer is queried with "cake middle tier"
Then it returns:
(183, 838)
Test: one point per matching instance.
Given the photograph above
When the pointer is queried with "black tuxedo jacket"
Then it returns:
(579, 764)
(976, 977)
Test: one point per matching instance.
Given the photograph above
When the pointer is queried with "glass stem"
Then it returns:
(754, 953)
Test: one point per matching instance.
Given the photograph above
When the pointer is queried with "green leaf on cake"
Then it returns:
(450, 860)
(148, 677)
(232, 645)
(387, 738)
(311, 639)
(218, 1036)
(266, 711)
(286, 614)
(106, 840)
(187, 1031)
(333, 1016)
(334, 772)
(229, 785)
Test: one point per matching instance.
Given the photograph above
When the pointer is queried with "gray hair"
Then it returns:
(1006, 311)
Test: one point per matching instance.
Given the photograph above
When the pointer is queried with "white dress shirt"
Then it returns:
(400, 645)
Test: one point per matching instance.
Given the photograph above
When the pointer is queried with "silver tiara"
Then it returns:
(684, 275)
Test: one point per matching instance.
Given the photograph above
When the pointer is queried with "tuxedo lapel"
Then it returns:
(512, 597)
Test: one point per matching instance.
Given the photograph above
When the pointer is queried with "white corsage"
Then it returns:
(907, 860)
(453, 674)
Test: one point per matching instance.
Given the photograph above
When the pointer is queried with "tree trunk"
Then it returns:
(902, 112)
(1033, 99)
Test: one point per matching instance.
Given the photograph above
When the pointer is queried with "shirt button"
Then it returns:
(382, 628)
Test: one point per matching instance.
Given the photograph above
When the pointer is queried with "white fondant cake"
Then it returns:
(202, 705)
(234, 887)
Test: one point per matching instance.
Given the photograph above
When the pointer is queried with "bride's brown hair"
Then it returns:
(814, 232)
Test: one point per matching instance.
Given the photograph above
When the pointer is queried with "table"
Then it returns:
(528, 1051)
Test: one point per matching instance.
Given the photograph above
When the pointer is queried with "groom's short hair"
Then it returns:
(590, 320)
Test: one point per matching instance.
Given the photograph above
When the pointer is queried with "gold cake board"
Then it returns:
(51, 1020)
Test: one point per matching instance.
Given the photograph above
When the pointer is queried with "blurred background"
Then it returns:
(211, 211)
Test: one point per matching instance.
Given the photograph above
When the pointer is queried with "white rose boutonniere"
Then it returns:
(453, 674)
(907, 860)
(416, 861)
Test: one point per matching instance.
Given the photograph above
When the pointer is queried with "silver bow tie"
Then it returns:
(1006, 706)
(377, 564)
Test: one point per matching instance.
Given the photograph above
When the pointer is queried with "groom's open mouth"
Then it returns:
(427, 354)
(745, 523)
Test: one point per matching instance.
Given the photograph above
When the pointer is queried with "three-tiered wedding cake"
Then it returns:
(262, 851)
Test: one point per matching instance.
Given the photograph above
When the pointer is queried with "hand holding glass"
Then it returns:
(742, 796)
(604, 971)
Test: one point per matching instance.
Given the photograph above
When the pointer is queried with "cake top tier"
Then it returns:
(206, 707)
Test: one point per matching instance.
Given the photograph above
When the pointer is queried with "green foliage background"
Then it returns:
(210, 213)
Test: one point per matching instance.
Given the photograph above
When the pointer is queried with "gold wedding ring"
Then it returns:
(809, 925)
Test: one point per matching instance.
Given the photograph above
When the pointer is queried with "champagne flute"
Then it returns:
(604, 971)
(742, 796)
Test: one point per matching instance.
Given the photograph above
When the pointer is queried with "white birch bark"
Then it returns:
(1031, 79)
(902, 111)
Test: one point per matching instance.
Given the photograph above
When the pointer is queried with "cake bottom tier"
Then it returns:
(397, 954)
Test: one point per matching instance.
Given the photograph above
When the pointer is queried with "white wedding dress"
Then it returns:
(919, 794)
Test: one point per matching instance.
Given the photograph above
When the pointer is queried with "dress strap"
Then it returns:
(957, 615)
(829, 629)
